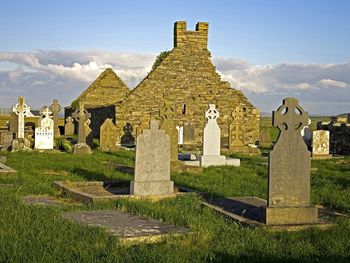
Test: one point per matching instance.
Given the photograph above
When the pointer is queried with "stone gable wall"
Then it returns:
(187, 80)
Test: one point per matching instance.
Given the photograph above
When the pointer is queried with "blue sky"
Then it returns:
(261, 33)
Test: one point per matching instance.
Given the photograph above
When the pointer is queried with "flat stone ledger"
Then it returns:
(152, 164)
(289, 169)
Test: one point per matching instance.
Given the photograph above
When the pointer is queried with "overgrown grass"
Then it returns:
(37, 234)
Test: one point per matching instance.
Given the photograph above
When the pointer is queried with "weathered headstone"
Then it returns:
(128, 139)
(81, 116)
(167, 114)
(320, 144)
(88, 133)
(21, 110)
(189, 137)
(144, 124)
(152, 164)
(108, 135)
(69, 126)
(289, 170)
(237, 132)
(6, 139)
(44, 135)
(56, 108)
(265, 138)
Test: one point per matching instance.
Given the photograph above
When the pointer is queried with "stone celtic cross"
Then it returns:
(167, 112)
(22, 110)
(212, 113)
(45, 111)
(81, 115)
(55, 108)
(238, 115)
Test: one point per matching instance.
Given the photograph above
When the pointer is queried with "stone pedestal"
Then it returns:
(21, 145)
(297, 215)
(154, 187)
(208, 160)
(81, 148)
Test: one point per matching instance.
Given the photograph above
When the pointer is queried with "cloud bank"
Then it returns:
(44, 75)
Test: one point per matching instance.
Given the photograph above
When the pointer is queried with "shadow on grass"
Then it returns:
(91, 176)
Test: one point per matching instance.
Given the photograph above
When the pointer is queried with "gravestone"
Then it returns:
(167, 114)
(265, 138)
(180, 137)
(144, 124)
(237, 132)
(21, 110)
(152, 164)
(81, 116)
(6, 138)
(320, 144)
(55, 108)
(108, 136)
(127, 139)
(44, 135)
(69, 126)
(289, 170)
(88, 133)
(189, 138)
(307, 134)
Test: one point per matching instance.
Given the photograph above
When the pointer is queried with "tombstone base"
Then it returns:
(81, 148)
(321, 156)
(154, 188)
(208, 160)
(290, 215)
(21, 145)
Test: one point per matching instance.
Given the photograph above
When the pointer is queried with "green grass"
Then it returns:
(37, 234)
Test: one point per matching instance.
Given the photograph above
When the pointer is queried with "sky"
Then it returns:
(268, 49)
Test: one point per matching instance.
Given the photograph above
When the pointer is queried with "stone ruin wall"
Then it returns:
(187, 80)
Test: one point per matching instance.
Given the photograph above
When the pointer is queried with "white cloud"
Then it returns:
(44, 75)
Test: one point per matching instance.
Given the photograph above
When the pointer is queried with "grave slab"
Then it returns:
(130, 228)
(42, 200)
(6, 169)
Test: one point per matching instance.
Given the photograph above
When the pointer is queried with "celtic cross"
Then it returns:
(238, 115)
(22, 110)
(45, 111)
(55, 108)
(167, 112)
(81, 116)
(212, 113)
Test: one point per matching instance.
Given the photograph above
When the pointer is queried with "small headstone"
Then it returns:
(81, 116)
(167, 114)
(320, 143)
(152, 164)
(237, 132)
(108, 135)
(127, 139)
(6, 138)
(88, 133)
(289, 170)
(69, 126)
(55, 108)
(189, 141)
(44, 135)
(265, 138)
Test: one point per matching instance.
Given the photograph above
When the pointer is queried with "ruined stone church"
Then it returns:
(185, 80)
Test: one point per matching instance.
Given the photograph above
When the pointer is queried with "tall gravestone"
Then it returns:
(167, 114)
(152, 164)
(289, 170)
(180, 135)
(21, 110)
(81, 116)
(56, 108)
(237, 132)
(320, 144)
(44, 135)
(211, 140)
(189, 137)
(108, 136)
(265, 138)
(69, 126)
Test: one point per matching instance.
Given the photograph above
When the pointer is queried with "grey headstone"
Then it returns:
(152, 164)
(289, 169)
(108, 135)
(189, 137)
(69, 126)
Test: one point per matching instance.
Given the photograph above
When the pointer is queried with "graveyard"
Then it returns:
(181, 166)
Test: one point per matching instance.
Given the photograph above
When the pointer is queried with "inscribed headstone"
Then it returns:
(44, 135)
(289, 169)
(167, 114)
(108, 135)
(152, 164)
(320, 143)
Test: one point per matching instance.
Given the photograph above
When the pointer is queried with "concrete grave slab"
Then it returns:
(42, 200)
(130, 228)
(6, 169)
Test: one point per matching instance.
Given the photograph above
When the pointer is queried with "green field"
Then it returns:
(37, 234)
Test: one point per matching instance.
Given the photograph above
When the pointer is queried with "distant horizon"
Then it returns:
(269, 50)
